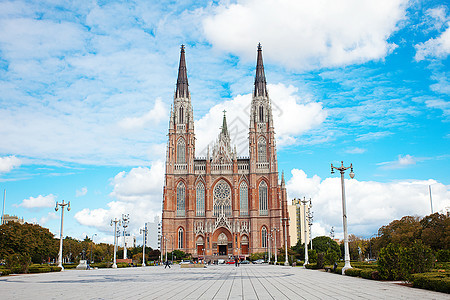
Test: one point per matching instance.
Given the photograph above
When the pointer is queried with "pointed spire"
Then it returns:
(182, 81)
(224, 123)
(260, 78)
(282, 178)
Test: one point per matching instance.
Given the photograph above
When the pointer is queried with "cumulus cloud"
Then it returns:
(155, 115)
(137, 193)
(370, 204)
(336, 32)
(401, 162)
(50, 216)
(293, 115)
(438, 47)
(8, 163)
(82, 192)
(39, 201)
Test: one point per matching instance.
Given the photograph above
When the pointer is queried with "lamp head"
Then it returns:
(351, 172)
(332, 170)
(56, 207)
(68, 206)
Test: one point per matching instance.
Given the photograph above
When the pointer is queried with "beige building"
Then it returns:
(8, 218)
(297, 221)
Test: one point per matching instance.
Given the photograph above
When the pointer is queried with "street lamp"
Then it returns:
(116, 233)
(310, 223)
(92, 239)
(342, 169)
(304, 202)
(275, 242)
(286, 261)
(125, 221)
(144, 240)
(63, 205)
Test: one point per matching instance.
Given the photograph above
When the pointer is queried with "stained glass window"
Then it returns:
(222, 198)
(243, 197)
(200, 199)
(262, 149)
(264, 237)
(181, 151)
(180, 238)
(263, 201)
(181, 192)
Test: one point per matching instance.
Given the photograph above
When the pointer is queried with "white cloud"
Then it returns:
(8, 163)
(137, 193)
(373, 135)
(155, 115)
(370, 204)
(435, 47)
(39, 202)
(305, 34)
(356, 150)
(50, 216)
(293, 116)
(439, 104)
(401, 162)
(82, 192)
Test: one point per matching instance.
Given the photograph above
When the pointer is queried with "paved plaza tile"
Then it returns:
(214, 282)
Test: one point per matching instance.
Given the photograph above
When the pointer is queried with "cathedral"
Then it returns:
(223, 205)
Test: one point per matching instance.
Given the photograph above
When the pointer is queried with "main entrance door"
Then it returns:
(222, 249)
(222, 244)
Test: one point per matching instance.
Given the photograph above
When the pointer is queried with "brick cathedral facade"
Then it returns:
(223, 204)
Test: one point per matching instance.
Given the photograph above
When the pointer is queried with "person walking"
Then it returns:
(167, 264)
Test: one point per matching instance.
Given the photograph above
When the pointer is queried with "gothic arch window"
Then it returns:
(181, 115)
(263, 199)
(181, 200)
(180, 238)
(243, 199)
(222, 199)
(200, 210)
(261, 114)
(181, 151)
(264, 237)
(262, 149)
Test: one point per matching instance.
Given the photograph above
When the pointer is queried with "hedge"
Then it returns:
(370, 274)
(436, 281)
(312, 266)
(338, 270)
(355, 272)
(4, 272)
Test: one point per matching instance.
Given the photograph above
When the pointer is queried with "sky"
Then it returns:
(86, 89)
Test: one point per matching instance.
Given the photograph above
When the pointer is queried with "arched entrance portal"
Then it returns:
(222, 244)
(200, 246)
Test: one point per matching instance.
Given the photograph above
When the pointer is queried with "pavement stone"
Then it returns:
(213, 282)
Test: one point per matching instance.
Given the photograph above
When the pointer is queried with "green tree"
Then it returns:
(435, 231)
(389, 262)
(29, 240)
(323, 243)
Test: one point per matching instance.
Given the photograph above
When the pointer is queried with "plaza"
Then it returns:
(213, 282)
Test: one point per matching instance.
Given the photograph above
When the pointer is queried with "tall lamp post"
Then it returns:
(269, 238)
(274, 230)
(116, 232)
(125, 221)
(304, 202)
(286, 261)
(92, 245)
(144, 240)
(342, 169)
(63, 205)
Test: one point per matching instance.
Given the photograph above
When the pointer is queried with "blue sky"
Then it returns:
(86, 89)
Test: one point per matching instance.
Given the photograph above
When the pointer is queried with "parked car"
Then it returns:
(185, 262)
(230, 262)
(259, 261)
(245, 262)
(220, 261)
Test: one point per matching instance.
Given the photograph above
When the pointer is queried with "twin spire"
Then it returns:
(182, 90)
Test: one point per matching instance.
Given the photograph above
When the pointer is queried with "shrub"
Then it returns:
(417, 258)
(5, 272)
(443, 255)
(55, 269)
(338, 270)
(312, 255)
(331, 257)
(18, 263)
(311, 266)
(354, 272)
(367, 273)
(439, 282)
(389, 262)
(320, 260)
